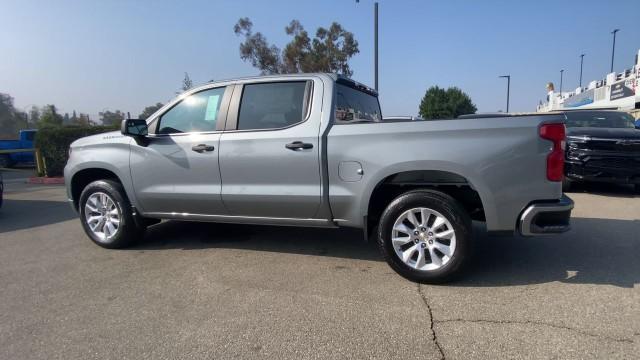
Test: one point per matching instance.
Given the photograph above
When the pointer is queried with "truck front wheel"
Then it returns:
(425, 236)
(106, 215)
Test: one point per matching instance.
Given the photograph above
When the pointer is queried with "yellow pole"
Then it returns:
(39, 163)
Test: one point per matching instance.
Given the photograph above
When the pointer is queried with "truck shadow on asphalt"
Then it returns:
(25, 214)
(595, 251)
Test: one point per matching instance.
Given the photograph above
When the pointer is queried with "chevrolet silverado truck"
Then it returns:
(602, 146)
(312, 150)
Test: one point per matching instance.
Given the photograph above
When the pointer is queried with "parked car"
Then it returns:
(311, 150)
(24, 141)
(602, 146)
(1, 189)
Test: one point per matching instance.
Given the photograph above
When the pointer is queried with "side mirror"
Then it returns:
(134, 127)
(638, 124)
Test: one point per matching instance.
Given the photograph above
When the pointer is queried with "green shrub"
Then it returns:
(54, 142)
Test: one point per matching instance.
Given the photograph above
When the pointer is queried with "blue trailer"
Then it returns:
(24, 141)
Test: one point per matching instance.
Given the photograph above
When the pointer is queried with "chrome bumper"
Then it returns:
(546, 217)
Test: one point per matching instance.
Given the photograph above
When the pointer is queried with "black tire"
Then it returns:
(451, 210)
(128, 231)
(566, 185)
(5, 161)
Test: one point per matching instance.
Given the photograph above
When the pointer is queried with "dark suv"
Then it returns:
(602, 146)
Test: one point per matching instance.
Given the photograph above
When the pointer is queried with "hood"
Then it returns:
(102, 138)
(605, 133)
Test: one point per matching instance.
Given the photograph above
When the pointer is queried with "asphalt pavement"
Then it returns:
(197, 290)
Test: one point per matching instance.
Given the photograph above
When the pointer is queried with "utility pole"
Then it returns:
(375, 43)
(508, 77)
(561, 72)
(613, 50)
(581, 63)
(375, 25)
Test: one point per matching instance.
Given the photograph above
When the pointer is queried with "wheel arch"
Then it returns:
(84, 177)
(451, 182)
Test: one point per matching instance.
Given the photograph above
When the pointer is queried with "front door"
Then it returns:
(177, 172)
(269, 157)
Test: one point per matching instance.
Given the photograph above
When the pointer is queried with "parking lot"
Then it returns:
(197, 290)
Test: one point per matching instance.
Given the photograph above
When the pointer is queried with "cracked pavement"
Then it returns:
(193, 290)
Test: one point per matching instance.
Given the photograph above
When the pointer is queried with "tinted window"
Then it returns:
(197, 112)
(30, 135)
(271, 105)
(601, 119)
(354, 105)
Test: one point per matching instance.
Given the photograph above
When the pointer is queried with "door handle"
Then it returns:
(200, 148)
(298, 145)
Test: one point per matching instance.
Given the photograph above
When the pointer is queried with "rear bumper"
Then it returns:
(546, 217)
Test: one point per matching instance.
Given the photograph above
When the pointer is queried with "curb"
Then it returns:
(46, 180)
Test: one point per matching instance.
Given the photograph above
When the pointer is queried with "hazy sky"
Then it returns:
(92, 55)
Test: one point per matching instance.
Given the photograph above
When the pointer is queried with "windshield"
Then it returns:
(599, 119)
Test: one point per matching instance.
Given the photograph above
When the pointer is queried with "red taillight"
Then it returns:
(555, 159)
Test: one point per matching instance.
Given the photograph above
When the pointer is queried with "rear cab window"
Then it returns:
(356, 103)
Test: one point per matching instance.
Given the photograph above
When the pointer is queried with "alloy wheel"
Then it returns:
(423, 239)
(102, 216)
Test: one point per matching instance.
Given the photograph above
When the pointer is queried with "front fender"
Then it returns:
(113, 157)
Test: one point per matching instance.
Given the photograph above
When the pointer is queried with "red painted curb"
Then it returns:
(46, 180)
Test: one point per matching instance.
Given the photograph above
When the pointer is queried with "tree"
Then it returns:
(82, 120)
(329, 51)
(50, 116)
(66, 120)
(149, 110)
(8, 118)
(110, 118)
(439, 103)
(186, 83)
(34, 116)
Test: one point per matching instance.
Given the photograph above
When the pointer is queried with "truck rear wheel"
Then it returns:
(425, 236)
(106, 215)
(5, 161)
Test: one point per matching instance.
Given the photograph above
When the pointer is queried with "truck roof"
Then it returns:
(334, 76)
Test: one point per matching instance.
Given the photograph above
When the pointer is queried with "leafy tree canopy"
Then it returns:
(329, 51)
(50, 117)
(186, 83)
(439, 103)
(149, 110)
(8, 116)
(111, 118)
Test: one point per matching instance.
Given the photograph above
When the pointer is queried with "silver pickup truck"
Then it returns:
(312, 150)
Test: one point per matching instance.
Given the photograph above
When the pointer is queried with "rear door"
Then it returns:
(269, 160)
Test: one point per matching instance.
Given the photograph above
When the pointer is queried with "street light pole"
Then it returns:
(375, 43)
(508, 88)
(613, 49)
(581, 62)
(561, 72)
(375, 25)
